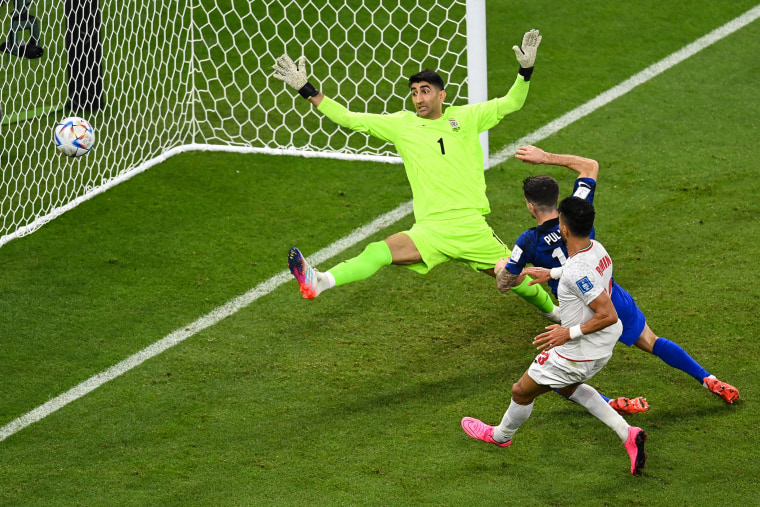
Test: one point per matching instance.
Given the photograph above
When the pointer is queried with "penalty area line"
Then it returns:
(365, 231)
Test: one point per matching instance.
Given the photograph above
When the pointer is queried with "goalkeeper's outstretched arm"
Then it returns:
(295, 76)
(526, 57)
(526, 52)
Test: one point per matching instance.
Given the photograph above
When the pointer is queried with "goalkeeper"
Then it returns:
(444, 164)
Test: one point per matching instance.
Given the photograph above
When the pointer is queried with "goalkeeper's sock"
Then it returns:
(324, 281)
(675, 356)
(364, 265)
(535, 295)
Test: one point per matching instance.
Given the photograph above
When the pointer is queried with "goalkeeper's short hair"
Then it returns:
(429, 76)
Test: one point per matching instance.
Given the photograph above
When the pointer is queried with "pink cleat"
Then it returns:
(481, 431)
(304, 274)
(635, 447)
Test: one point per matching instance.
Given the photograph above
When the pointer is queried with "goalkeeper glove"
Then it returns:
(295, 76)
(526, 53)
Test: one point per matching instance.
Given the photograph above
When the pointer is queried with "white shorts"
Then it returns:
(551, 369)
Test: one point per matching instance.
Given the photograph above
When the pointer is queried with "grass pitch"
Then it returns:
(355, 398)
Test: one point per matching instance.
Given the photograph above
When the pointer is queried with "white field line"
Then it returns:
(365, 231)
(629, 84)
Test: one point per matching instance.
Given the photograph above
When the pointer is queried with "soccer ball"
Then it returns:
(74, 136)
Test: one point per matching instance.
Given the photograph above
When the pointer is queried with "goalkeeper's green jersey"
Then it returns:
(443, 157)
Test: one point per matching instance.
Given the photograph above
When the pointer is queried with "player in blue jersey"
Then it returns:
(542, 247)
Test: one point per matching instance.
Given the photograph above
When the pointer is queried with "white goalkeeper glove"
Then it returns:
(294, 76)
(526, 53)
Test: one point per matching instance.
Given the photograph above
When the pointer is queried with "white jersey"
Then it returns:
(585, 276)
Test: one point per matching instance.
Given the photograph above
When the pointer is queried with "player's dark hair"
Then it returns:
(578, 214)
(429, 76)
(542, 191)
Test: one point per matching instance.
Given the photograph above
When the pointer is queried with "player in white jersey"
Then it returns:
(573, 352)
(541, 246)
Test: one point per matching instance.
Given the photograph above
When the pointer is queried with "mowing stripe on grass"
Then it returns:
(365, 231)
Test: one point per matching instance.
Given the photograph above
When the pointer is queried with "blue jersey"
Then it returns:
(542, 246)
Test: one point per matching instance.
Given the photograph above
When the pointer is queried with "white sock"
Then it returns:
(588, 397)
(704, 384)
(325, 281)
(515, 415)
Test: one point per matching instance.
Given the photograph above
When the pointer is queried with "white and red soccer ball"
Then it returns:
(74, 136)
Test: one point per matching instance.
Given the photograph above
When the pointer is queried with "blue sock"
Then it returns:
(675, 356)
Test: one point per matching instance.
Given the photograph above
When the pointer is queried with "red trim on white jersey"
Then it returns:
(574, 360)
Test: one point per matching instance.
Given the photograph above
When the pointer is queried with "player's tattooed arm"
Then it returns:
(505, 280)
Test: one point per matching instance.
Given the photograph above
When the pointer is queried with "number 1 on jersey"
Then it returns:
(443, 151)
(558, 254)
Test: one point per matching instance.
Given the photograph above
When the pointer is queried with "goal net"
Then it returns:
(166, 76)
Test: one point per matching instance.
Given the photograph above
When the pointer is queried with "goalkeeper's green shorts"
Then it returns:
(461, 235)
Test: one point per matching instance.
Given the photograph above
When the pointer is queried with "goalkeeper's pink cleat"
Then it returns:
(635, 447)
(304, 274)
(481, 431)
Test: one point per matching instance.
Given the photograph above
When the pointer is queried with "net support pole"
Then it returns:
(477, 61)
(85, 53)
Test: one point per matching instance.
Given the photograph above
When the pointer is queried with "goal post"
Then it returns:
(477, 61)
(168, 76)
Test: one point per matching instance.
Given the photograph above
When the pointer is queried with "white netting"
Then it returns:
(144, 69)
(193, 73)
(360, 53)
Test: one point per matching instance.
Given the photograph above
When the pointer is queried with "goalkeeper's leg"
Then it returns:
(538, 297)
(312, 282)
(482, 250)
(375, 256)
